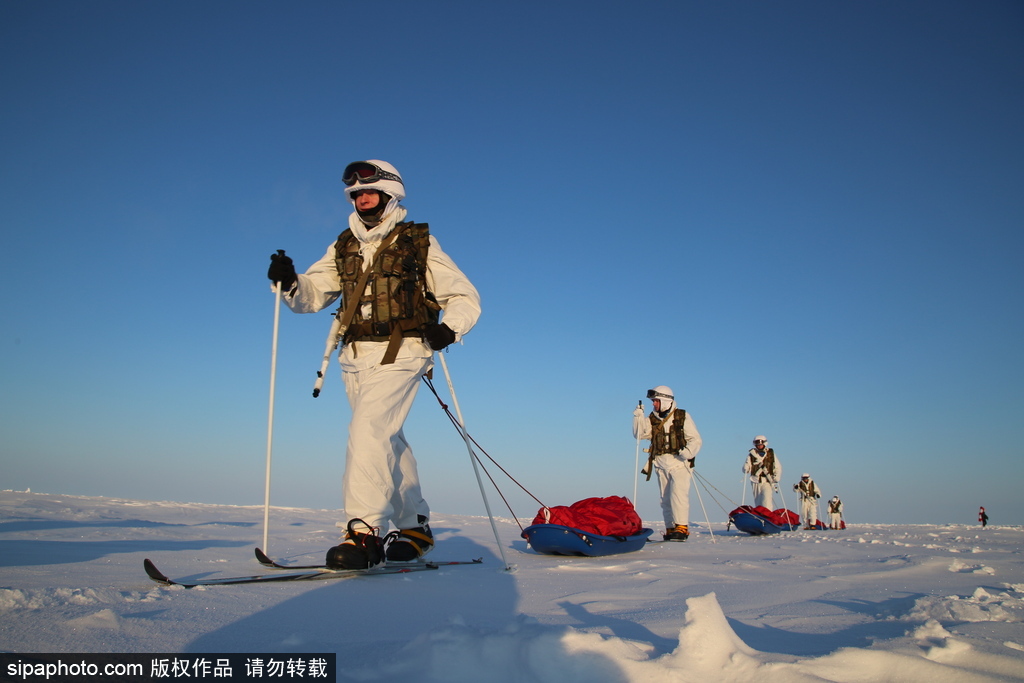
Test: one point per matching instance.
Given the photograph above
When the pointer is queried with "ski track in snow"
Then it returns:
(874, 602)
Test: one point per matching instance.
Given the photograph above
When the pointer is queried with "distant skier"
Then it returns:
(835, 513)
(675, 442)
(983, 517)
(765, 472)
(809, 496)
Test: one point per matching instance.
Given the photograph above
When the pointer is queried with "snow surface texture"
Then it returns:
(872, 603)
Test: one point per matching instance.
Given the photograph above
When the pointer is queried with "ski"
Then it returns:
(267, 561)
(306, 575)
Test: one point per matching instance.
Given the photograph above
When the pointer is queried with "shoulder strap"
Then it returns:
(350, 306)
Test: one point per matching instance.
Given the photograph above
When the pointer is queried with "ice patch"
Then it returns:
(963, 568)
(18, 598)
(521, 651)
(979, 607)
(105, 619)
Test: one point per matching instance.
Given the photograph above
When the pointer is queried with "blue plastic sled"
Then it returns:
(759, 526)
(553, 539)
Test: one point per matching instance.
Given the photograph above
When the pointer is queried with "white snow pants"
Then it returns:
(674, 481)
(834, 520)
(809, 510)
(381, 482)
(764, 494)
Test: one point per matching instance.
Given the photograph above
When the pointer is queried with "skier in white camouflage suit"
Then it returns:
(835, 513)
(765, 472)
(809, 495)
(675, 442)
(389, 338)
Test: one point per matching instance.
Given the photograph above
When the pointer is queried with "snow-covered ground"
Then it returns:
(871, 603)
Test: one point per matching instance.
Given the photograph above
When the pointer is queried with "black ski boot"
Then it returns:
(359, 550)
(407, 545)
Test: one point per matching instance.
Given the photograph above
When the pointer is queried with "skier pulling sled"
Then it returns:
(393, 281)
(593, 527)
(675, 443)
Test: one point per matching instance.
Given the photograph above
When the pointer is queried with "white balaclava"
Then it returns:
(665, 395)
(390, 184)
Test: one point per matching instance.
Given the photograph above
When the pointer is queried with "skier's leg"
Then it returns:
(381, 397)
(680, 498)
(664, 490)
(408, 505)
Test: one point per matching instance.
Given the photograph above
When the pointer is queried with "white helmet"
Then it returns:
(663, 394)
(373, 174)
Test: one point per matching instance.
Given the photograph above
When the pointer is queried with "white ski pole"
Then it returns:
(270, 415)
(784, 506)
(472, 458)
(707, 519)
(636, 466)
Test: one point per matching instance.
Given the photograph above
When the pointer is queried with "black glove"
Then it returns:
(281, 270)
(438, 336)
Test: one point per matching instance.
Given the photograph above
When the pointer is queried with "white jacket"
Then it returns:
(753, 465)
(642, 429)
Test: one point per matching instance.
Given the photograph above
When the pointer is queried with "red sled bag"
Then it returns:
(611, 516)
(780, 517)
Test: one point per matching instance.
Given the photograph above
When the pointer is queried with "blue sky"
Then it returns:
(804, 217)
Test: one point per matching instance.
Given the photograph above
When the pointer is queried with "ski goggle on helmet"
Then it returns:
(660, 393)
(373, 174)
(365, 172)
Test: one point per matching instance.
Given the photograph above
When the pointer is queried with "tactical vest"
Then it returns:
(808, 489)
(766, 468)
(672, 441)
(834, 505)
(399, 303)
